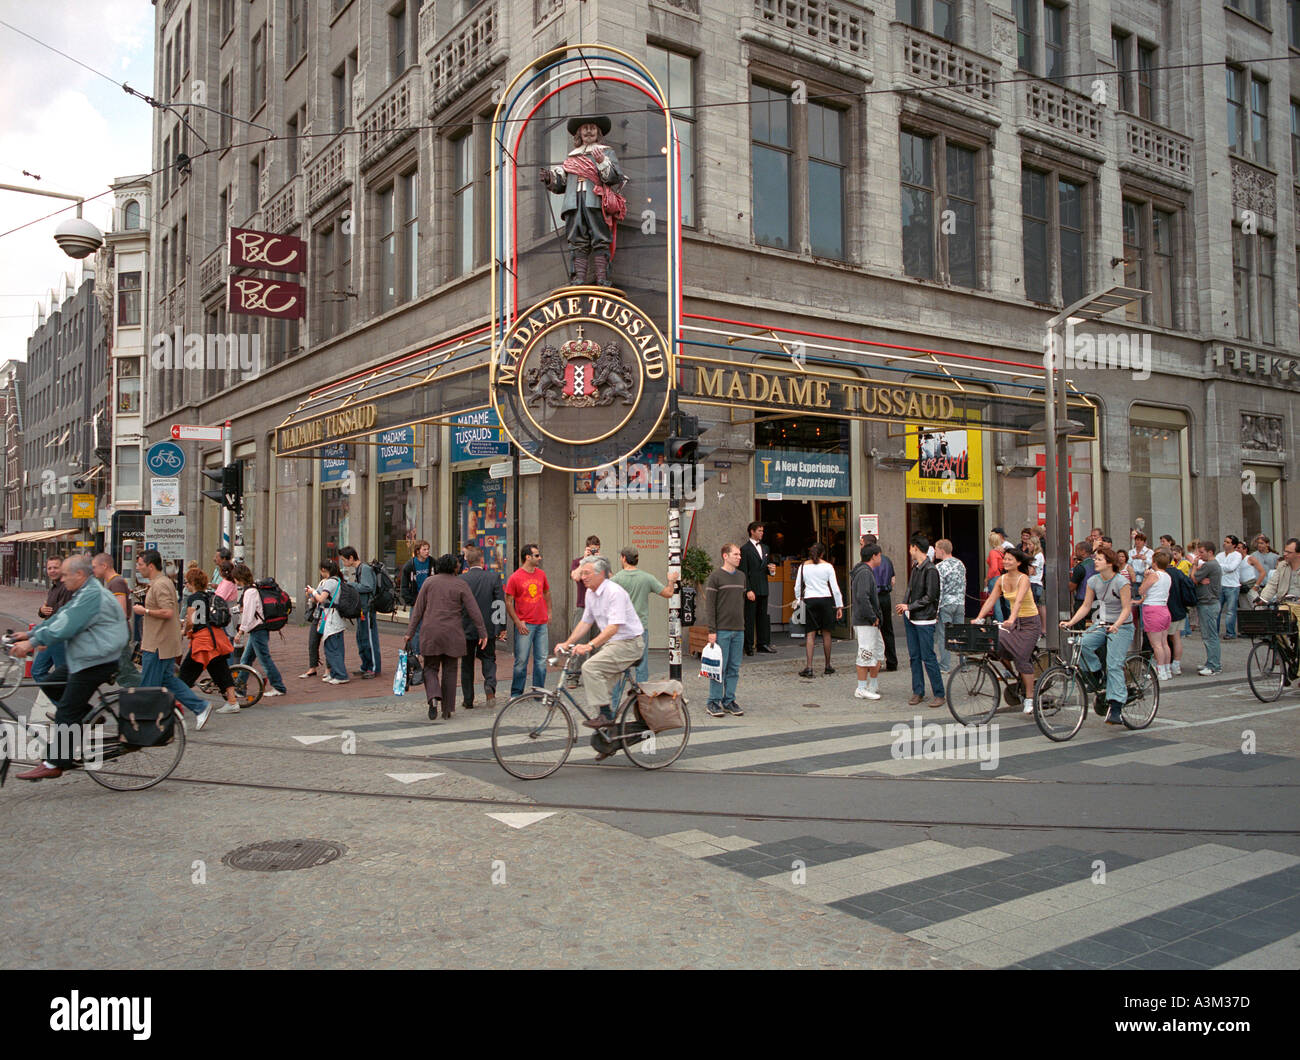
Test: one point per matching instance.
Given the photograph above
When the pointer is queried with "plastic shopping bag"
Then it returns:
(399, 675)
(711, 662)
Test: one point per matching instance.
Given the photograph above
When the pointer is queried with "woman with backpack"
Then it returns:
(252, 621)
(229, 592)
(331, 624)
(209, 646)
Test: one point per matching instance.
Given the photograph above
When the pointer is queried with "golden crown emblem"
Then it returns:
(580, 347)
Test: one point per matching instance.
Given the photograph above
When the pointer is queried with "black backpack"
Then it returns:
(347, 601)
(217, 611)
(277, 605)
(1185, 588)
(384, 600)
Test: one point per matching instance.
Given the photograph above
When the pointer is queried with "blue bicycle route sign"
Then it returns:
(165, 459)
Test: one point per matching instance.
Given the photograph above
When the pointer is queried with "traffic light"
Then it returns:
(683, 439)
(231, 480)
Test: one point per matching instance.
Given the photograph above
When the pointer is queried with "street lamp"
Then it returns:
(77, 237)
(1093, 307)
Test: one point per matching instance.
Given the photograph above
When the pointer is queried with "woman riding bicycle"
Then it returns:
(1018, 634)
(209, 646)
(1114, 628)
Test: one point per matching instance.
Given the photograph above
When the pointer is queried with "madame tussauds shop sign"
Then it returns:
(345, 424)
(581, 380)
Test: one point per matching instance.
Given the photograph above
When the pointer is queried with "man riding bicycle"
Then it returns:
(91, 628)
(1283, 588)
(608, 607)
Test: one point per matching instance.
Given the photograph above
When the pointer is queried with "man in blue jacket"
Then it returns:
(91, 629)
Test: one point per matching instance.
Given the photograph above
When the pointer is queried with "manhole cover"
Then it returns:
(283, 855)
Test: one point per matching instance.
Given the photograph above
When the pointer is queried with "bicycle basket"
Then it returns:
(146, 716)
(971, 638)
(1265, 623)
(660, 705)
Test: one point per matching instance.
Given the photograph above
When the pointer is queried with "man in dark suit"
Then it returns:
(756, 565)
(490, 596)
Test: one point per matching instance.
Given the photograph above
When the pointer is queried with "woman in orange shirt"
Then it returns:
(994, 565)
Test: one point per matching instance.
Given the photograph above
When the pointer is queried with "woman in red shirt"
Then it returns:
(993, 570)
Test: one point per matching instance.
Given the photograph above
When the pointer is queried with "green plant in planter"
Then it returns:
(696, 566)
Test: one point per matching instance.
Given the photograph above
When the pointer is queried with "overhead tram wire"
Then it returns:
(962, 85)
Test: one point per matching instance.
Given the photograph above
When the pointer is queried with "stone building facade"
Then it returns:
(932, 178)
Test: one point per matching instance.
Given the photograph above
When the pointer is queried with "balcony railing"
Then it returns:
(284, 208)
(212, 271)
(465, 56)
(1155, 148)
(389, 119)
(1061, 112)
(329, 170)
(822, 29)
(960, 76)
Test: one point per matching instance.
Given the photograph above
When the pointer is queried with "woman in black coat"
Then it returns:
(444, 601)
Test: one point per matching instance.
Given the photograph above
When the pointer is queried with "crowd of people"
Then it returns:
(94, 625)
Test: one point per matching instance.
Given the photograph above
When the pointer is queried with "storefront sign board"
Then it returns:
(798, 474)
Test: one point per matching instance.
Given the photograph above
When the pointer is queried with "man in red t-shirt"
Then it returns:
(528, 602)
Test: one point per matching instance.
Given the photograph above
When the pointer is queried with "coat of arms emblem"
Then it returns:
(580, 374)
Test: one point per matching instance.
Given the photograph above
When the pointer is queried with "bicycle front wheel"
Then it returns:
(1143, 699)
(651, 750)
(973, 692)
(1264, 670)
(248, 684)
(1060, 704)
(125, 767)
(532, 735)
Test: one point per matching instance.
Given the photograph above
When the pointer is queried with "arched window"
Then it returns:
(131, 214)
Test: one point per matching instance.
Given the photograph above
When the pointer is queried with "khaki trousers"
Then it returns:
(602, 669)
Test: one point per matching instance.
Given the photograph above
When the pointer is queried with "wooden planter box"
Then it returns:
(699, 637)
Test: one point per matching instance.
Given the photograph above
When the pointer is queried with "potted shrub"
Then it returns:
(696, 568)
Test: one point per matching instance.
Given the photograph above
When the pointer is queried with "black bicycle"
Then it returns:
(977, 688)
(1063, 692)
(534, 732)
(1274, 661)
(119, 749)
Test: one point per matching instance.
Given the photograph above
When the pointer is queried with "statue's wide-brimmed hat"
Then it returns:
(600, 121)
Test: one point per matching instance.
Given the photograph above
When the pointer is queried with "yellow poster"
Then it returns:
(949, 465)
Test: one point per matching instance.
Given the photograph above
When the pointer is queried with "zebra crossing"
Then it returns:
(1206, 906)
(927, 746)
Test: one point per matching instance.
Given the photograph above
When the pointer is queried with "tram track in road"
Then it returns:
(453, 760)
(587, 807)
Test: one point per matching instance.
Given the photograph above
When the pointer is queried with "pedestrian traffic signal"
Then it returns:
(231, 480)
(683, 439)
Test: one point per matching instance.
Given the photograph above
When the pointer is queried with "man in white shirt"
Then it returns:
(1230, 561)
(1140, 556)
(609, 608)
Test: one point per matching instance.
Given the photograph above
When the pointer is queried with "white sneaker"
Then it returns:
(1205, 671)
(1029, 706)
(201, 720)
(859, 693)
(1177, 668)
(228, 708)
(872, 695)
(271, 692)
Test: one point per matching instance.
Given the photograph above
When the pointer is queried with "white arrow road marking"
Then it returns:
(520, 820)
(411, 778)
(309, 740)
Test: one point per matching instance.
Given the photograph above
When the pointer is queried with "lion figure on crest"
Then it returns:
(612, 378)
(547, 380)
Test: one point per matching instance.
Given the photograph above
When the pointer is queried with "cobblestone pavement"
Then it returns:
(768, 845)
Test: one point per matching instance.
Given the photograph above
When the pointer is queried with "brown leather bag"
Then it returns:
(661, 705)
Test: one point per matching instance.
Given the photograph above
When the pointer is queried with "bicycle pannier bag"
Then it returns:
(146, 716)
(660, 705)
(277, 605)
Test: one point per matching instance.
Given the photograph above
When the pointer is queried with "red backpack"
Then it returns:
(277, 605)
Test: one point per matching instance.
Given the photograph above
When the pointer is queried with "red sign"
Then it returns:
(251, 296)
(250, 249)
(1041, 460)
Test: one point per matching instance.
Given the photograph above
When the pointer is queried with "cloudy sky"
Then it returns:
(76, 130)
